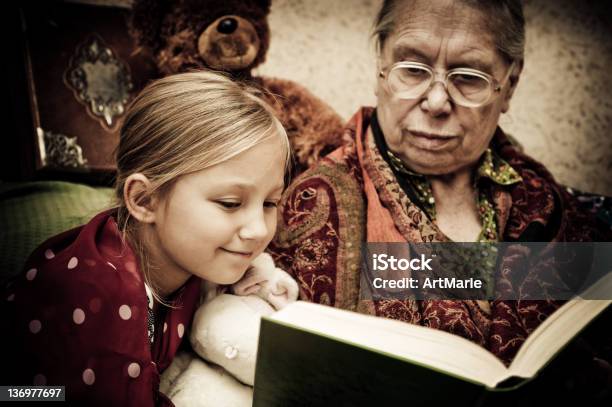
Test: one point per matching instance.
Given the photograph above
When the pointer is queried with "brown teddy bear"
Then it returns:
(233, 36)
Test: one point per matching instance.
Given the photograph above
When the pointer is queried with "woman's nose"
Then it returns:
(437, 100)
(255, 227)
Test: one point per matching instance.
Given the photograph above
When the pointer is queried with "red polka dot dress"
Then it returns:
(79, 316)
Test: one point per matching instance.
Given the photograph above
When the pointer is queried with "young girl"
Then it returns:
(102, 309)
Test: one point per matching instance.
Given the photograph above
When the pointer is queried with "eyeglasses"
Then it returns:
(466, 87)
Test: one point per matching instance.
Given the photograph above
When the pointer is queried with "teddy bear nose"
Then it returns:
(227, 25)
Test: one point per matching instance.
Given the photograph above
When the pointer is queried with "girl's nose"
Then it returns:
(255, 227)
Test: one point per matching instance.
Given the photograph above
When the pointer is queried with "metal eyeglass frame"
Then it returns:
(494, 84)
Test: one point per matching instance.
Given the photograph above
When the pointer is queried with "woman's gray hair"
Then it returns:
(506, 22)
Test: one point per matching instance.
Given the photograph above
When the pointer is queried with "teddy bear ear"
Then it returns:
(146, 20)
(263, 4)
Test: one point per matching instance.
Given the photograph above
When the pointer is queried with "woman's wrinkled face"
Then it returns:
(431, 134)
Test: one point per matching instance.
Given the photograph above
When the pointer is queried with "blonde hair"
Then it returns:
(185, 123)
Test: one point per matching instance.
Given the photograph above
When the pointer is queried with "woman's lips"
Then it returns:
(428, 141)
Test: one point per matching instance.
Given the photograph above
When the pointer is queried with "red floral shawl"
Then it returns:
(352, 197)
(78, 318)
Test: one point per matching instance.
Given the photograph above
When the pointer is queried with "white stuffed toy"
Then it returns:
(189, 381)
(225, 331)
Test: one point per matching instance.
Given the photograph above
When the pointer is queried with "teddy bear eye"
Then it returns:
(177, 50)
(227, 25)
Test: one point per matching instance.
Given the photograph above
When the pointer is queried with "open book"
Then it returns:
(318, 352)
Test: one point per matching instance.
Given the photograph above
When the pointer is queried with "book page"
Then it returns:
(560, 328)
(425, 346)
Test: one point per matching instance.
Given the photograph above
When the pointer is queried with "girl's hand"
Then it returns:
(267, 281)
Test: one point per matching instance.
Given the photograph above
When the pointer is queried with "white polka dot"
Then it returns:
(165, 327)
(125, 312)
(72, 263)
(39, 380)
(35, 326)
(31, 274)
(181, 330)
(111, 264)
(89, 377)
(134, 370)
(78, 316)
(10, 297)
(49, 254)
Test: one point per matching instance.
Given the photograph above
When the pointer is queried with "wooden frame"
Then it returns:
(81, 70)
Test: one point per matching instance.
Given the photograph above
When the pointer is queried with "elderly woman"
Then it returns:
(430, 164)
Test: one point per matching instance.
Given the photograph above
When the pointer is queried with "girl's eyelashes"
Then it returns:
(237, 204)
(271, 204)
(229, 204)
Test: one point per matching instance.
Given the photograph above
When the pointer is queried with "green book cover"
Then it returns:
(297, 367)
(310, 354)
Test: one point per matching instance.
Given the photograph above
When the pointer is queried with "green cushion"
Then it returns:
(32, 212)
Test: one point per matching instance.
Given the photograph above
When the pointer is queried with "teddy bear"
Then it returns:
(224, 334)
(233, 36)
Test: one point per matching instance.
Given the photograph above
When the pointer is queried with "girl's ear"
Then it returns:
(138, 199)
